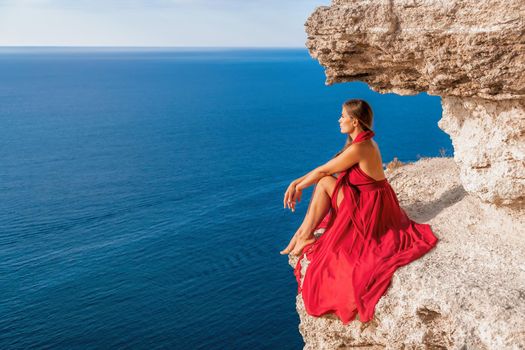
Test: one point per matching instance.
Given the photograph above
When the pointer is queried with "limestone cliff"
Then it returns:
(469, 292)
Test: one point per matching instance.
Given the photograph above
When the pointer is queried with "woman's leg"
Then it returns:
(319, 205)
(317, 210)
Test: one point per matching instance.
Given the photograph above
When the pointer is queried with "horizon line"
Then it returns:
(152, 47)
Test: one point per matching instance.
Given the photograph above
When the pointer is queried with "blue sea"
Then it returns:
(141, 191)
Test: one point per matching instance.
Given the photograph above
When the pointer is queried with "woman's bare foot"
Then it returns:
(298, 249)
(298, 242)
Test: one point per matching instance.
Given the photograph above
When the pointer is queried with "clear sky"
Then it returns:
(246, 23)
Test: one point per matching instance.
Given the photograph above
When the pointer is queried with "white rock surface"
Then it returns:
(467, 293)
(489, 146)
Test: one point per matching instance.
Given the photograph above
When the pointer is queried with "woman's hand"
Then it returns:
(292, 196)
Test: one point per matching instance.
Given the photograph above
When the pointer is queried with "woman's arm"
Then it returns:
(296, 181)
(343, 161)
(309, 179)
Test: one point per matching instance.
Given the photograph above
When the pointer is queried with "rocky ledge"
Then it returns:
(468, 293)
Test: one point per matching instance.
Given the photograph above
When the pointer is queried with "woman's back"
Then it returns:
(372, 163)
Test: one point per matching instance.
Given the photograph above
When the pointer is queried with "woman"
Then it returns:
(367, 234)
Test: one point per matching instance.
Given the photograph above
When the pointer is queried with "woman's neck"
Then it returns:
(362, 135)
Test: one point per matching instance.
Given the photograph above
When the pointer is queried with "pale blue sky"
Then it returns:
(244, 23)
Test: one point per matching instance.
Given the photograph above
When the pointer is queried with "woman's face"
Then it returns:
(346, 122)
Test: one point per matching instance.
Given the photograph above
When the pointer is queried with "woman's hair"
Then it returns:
(360, 110)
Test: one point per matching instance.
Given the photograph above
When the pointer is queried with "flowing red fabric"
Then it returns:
(365, 241)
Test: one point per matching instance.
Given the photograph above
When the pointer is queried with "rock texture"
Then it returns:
(471, 53)
(489, 146)
(468, 293)
(447, 48)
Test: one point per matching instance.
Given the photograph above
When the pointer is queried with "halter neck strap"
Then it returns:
(364, 135)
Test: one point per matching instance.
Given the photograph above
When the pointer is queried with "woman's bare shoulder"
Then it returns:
(367, 145)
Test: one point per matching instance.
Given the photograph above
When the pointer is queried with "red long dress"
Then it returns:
(365, 240)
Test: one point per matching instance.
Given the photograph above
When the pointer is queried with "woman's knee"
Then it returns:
(327, 183)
